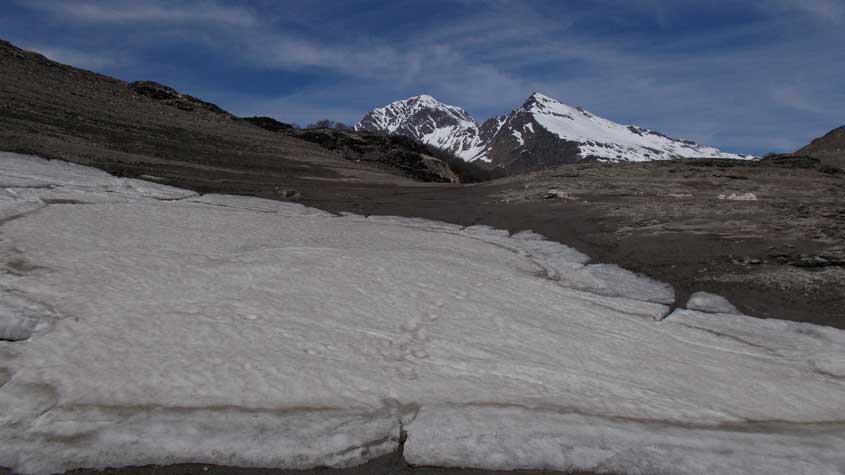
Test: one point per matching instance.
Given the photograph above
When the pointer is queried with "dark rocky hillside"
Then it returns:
(407, 155)
(172, 97)
(830, 148)
(410, 157)
(143, 128)
(269, 123)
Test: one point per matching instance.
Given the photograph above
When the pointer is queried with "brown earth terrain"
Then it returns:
(830, 148)
(768, 235)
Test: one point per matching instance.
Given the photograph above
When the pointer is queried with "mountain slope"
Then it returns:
(599, 138)
(830, 148)
(543, 132)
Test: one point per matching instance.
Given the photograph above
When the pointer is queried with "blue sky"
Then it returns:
(748, 76)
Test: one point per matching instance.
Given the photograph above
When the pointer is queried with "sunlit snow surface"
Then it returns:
(169, 328)
(606, 140)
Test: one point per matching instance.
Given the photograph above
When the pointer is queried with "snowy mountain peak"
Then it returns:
(428, 120)
(540, 97)
(421, 101)
(424, 99)
(602, 139)
(539, 101)
(541, 133)
(543, 104)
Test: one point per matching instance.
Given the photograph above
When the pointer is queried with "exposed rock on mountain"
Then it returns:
(403, 153)
(398, 152)
(172, 97)
(269, 123)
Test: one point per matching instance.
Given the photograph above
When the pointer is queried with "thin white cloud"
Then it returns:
(825, 10)
(125, 11)
(438, 68)
(282, 52)
(796, 97)
(302, 108)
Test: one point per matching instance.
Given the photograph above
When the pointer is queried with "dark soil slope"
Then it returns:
(145, 128)
(830, 148)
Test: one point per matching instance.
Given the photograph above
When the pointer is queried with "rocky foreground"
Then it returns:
(146, 324)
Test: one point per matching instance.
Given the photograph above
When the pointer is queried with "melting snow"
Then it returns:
(738, 197)
(232, 330)
(711, 303)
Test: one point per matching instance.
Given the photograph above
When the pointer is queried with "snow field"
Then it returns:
(240, 331)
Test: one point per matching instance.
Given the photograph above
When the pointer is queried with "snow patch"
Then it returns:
(738, 197)
(518, 136)
(250, 203)
(512, 437)
(569, 268)
(832, 364)
(15, 327)
(21, 317)
(711, 303)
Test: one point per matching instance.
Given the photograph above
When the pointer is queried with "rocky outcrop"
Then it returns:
(269, 123)
(172, 97)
